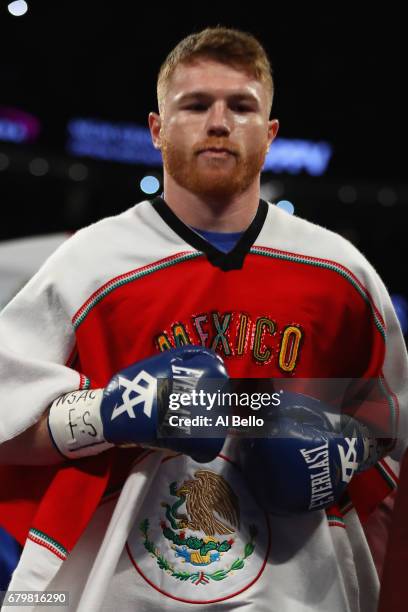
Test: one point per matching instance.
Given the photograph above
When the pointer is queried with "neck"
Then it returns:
(234, 214)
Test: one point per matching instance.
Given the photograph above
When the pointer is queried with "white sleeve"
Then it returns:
(36, 341)
(395, 365)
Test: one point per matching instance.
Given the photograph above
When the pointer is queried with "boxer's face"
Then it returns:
(214, 129)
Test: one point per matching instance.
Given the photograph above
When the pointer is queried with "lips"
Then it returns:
(216, 150)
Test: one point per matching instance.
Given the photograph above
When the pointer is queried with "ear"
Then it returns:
(155, 123)
(273, 127)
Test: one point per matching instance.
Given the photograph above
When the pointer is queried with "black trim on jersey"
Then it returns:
(233, 260)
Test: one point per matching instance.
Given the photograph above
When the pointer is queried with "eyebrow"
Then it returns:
(205, 96)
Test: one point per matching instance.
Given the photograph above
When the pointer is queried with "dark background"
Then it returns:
(339, 77)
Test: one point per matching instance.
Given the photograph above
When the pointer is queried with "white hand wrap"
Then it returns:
(75, 425)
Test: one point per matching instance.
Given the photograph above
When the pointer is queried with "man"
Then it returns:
(209, 264)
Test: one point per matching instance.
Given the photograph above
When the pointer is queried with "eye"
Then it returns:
(197, 107)
(242, 108)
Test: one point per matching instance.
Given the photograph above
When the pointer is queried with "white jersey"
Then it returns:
(139, 283)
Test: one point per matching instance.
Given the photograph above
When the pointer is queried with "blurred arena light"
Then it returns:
(38, 166)
(295, 155)
(126, 143)
(132, 144)
(271, 190)
(17, 125)
(78, 172)
(286, 206)
(347, 194)
(17, 8)
(387, 196)
(400, 303)
(4, 161)
(149, 184)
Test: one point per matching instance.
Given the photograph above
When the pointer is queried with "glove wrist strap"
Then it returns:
(75, 425)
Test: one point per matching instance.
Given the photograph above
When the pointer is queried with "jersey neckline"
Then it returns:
(234, 259)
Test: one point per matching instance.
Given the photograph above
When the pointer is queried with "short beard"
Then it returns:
(182, 166)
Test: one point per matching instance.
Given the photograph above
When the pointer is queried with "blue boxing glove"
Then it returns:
(308, 458)
(134, 404)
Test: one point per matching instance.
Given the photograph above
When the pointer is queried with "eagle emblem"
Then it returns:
(206, 495)
(212, 509)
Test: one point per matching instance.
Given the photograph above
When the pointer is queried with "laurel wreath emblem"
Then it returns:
(197, 577)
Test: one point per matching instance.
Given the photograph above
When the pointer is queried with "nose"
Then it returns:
(218, 121)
